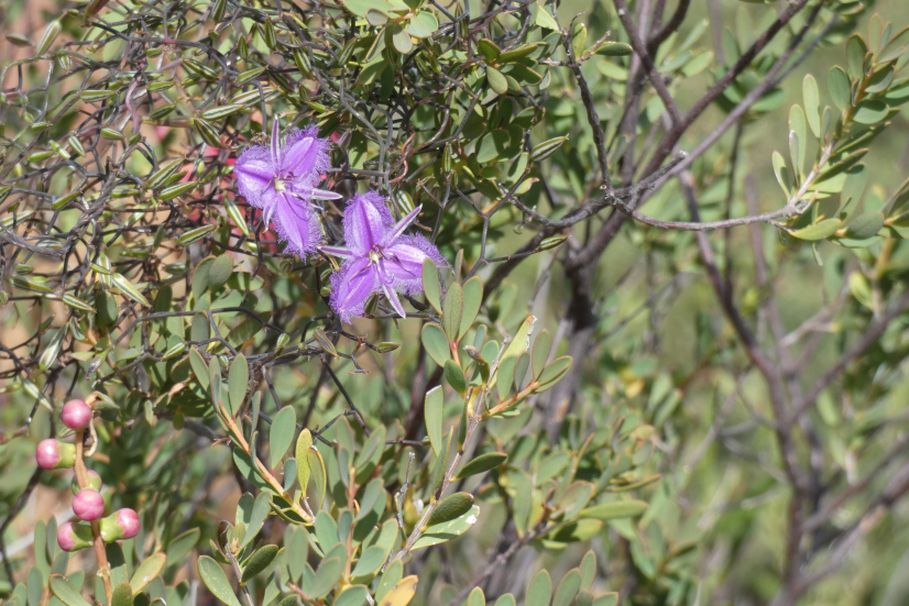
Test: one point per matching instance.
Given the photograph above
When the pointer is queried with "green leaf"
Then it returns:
(354, 595)
(259, 561)
(128, 289)
(451, 507)
(543, 18)
(47, 38)
(476, 597)
(455, 376)
(254, 518)
(431, 286)
(433, 416)
(147, 571)
(436, 343)
(402, 42)
(281, 434)
(169, 193)
(67, 594)
(481, 464)
(180, 546)
(369, 563)
(871, 112)
(506, 599)
(237, 382)
(614, 510)
(811, 97)
(326, 578)
(568, 588)
(220, 270)
(545, 149)
(423, 24)
(496, 80)
(840, 88)
(123, 595)
(615, 49)
(865, 225)
(489, 50)
(452, 310)
(216, 580)
(402, 593)
(442, 533)
(817, 231)
(473, 300)
(200, 368)
(553, 373)
(301, 454)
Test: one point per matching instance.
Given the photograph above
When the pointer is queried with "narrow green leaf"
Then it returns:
(817, 231)
(432, 414)
(281, 434)
(451, 507)
(237, 382)
(452, 310)
(301, 452)
(811, 97)
(482, 464)
(259, 561)
(473, 299)
(614, 510)
(840, 88)
(431, 286)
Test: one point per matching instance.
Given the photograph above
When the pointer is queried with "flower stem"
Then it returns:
(97, 541)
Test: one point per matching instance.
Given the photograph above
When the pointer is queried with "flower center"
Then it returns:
(280, 185)
(374, 255)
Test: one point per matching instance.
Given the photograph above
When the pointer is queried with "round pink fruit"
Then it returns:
(47, 454)
(76, 414)
(128, 520)
(66, 538)
(88, 504)
(51, 454)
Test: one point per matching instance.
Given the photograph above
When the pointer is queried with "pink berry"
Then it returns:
(76, 414)
(66, 538)
(88, 504)
(47, 454)
(128, 520)
(51, 454)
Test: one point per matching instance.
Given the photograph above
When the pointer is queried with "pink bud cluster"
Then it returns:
(88, 503)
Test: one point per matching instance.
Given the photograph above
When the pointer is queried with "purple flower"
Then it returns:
(281, 181)
(378, 257)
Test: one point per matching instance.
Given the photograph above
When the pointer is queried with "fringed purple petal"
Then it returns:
(254, 177)
(305, 156)
(366, 220)
(404, 262)
(298, 225)
(352, 286)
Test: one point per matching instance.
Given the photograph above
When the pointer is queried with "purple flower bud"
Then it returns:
(122, 524)
(93, 481)
(88, 504)
(71, 537)
(76, 414)
(51, 454)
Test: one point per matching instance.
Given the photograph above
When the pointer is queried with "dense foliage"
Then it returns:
(633, 368)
